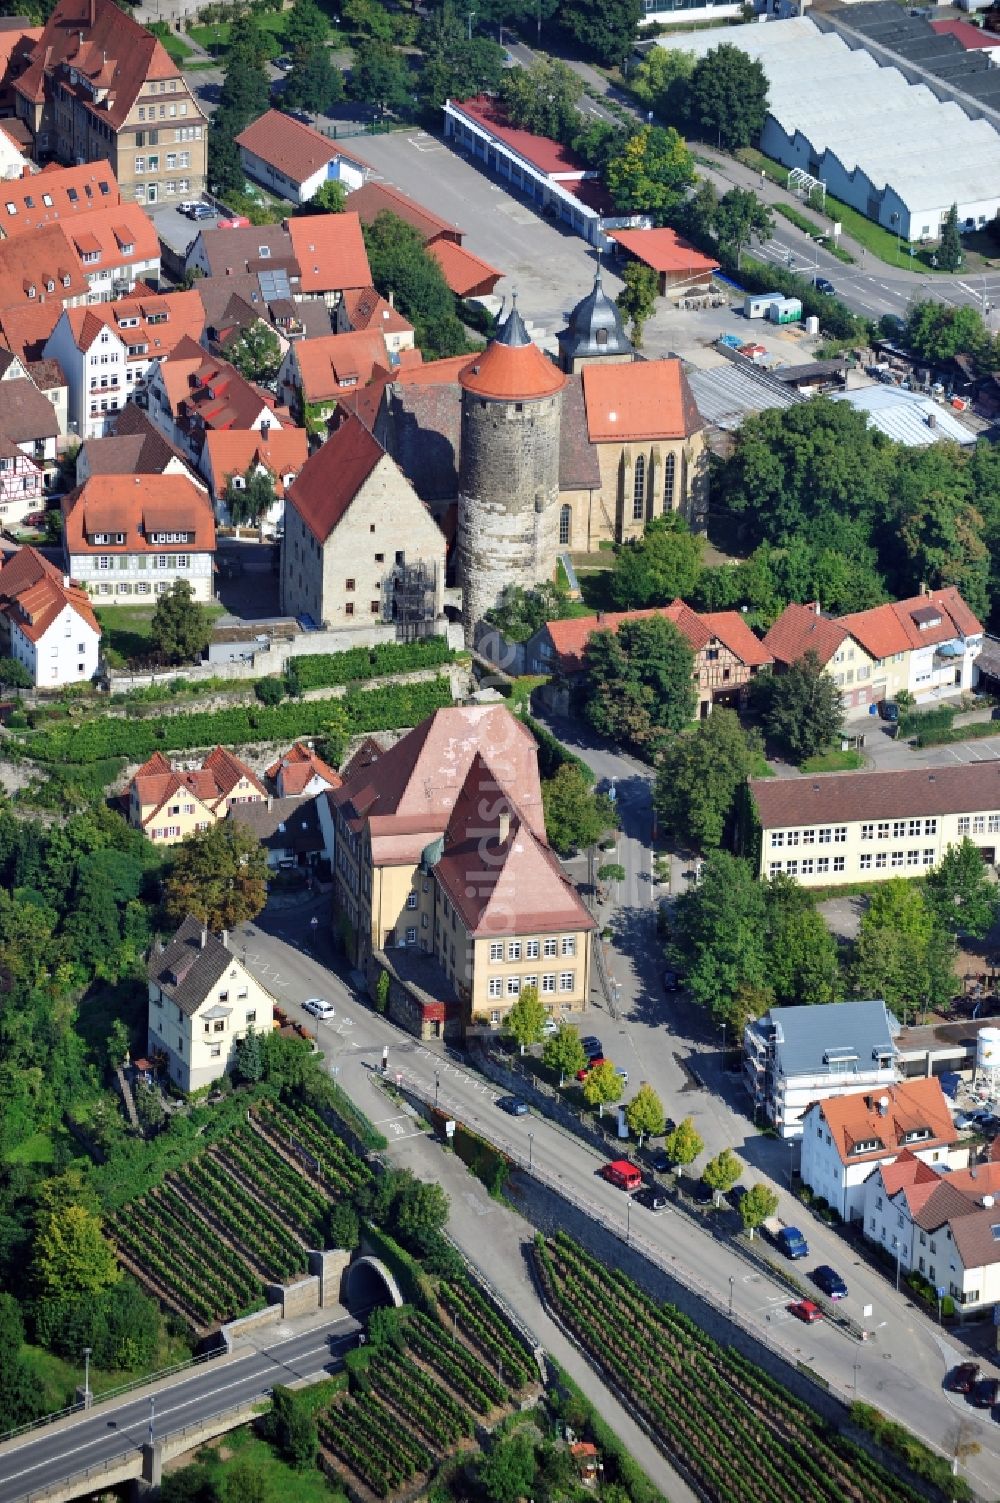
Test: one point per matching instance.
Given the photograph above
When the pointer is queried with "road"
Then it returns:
(900, 1369)
(109, 1429)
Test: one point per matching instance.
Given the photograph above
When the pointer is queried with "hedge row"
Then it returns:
(946, 733)
(386, 708)
(552, 754)
(324, 670)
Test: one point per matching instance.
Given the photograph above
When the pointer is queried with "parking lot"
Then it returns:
(887, 755)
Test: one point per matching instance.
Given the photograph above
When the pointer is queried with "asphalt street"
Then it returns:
(901, 1366)
(119, 1426)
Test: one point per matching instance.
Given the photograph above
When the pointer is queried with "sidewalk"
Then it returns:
(497, 1240)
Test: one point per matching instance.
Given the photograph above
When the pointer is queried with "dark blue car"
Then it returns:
(827, 1279)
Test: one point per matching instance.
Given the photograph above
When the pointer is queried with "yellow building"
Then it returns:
(445, 879)
(167, 805)
(202, 1000)
(867, 826)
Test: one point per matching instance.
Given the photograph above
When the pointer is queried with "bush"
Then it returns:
(270, 691)
(945, 734)
(918, 1457)
(552, 754)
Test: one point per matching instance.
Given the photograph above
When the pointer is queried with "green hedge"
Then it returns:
(488, 1164)
(387, 708)
(946, 733)
(918, 1457)
(325, 670)
(940, 718)
(552, 754)
(413, 1283)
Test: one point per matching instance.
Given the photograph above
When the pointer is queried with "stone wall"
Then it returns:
(508, 518)
(300, 1298)
(238, 1330)
(329, 1267)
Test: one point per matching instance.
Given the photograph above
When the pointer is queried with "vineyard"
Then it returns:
(240, 1215)
(416, 1396)
(742, 1435)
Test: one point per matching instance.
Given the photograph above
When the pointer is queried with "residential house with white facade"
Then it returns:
(846, 1138)
(202, 1001)
(867, 826)
(30, 422)
(169, 803)
(793, 1056)
(233, 455)
(293, 160)
(46, 623)
(300, 772)
(943, 1226)
(127, 538)
(107, 350)
(21, 484)
(190, 393)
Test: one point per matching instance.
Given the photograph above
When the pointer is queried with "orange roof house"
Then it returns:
(294, 160)
(47, 622)
(231, 453)
(361, 309)
(648, 400)
(318, 371)
(466, 274)
(126, 536)
(168, 804)
(331, 255)
(301, 773)
(57, 194)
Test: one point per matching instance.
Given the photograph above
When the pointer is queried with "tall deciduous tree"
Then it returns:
(181, 626)
(575, 816)
(305, 26)
(661, 83)
(740, 219)
(542, 98)
(380, 76)
(802, 964)
(253, 499)
(804, 711)
(330, 198)
(526, 1018)
(639, 685)
(651, 173)
(603, 1086)
(72, 1255)
(564, 1052)
(219, 876)
(312, 82)
(903, 952)
(656, 568)
(721, 1173)
(456, 66)
(637, 298)
(727, 97)
(402, 267)
(605, 32)
(256, 354)
(683, 1145)
(961, 892)
(699, 776)
(757, 1205)
(720, 937)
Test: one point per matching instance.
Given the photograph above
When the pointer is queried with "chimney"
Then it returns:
(816, 608)
(270, 802)
(600, 617)
(392, 298)
(265, 428)
(932, 420)
(204, 937)
(923, 587)
(504, 826)
(93, 13)
(988, 1202)
(224, 936)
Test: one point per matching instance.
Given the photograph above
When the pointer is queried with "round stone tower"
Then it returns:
(508, 484)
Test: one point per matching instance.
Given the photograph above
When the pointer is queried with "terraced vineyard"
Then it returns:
(743, 1436)
(239, 1215)
(421, 1396)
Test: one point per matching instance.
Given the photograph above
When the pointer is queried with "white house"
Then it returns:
(192, 393)
(46, 623)
(21, 488)
(127, 537)
(793, 1056)
(293, 160)
(846, 1138)
(944, 1226)
(301, 773)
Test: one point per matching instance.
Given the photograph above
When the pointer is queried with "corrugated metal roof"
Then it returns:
(729, 393)
(905, 416)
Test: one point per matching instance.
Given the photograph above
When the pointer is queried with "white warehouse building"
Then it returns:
(889, 148)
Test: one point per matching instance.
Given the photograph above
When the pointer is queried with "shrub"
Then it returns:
(270, 691)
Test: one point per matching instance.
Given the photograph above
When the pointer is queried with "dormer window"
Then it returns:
(107, 539)
(50, 286)
(31, 290)
(47, 200)
(12, 208)
(65, 279)
(867, 1145)
(915, 1134)
(264, 251)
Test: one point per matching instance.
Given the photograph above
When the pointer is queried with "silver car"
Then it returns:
(319, 1008)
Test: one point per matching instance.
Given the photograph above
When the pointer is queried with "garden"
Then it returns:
(740, 1435)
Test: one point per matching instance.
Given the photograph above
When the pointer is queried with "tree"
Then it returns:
(639, 682)
(291, 1427)
(526, 1018)
(343, 1229)
(661, 83)
(644, 1114)
(651, 172)
(721, 1173)
(757, 1205)
(683, 1145)
(507, 1472)
(961, 893)
(939, 331)
(697, 216)
(564, 1052)
(637, 298)
(802, 964)
(149, 1108)
(663, 564)
(269, 691)
(244, 1481)
(602, 1086)
(243, 97)
(313, 83)
(401, 267)
(575, 816)
(219, 876)
(741, 218)
(72, 1255)
(727, 97)
(903, 952)
(379, 76)
(698, 778)
(250, 1056)
(523, 612)
(804, 710)
(256, 354)
(13, 675)
(330, 198)
(606, 33)
(181, 626)
(543, 98)
(251, 499)
(611, 871)
(949, 252)
(421, 1214)
(21, 1394)
(305, 27)
(192, 1484)
(456, 65)
(720, 937)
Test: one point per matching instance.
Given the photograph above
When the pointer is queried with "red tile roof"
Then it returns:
(330, 250)
(295, 149)
(913, 1106)
(906, 1172)
(507, 373)
(26, 329)
(185, 318)
(365, 309)
(338, 361)
(213, 782)
(843, 797)
(231, 452)
(292, 773)
(139, 508)
(332, 477)
(40, 267)
(888, 629)
(664, 250)
(570, 637)
(373, 199)
(466, 274)
(801, 629)
(648, 400)
(971, 37)
(549, 157)
(33, 593)
(73, 192)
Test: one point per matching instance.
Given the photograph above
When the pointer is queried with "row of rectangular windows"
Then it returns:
(867, 861)
(835, 834)
(513, 985)
(552, 946)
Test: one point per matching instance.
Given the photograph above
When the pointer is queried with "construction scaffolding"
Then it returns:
(409, 599)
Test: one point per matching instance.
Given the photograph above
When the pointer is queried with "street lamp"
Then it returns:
(899, 1250)
(531, 1144)
(152, 1416)
(437, 1087)
(723, 1047)
(894, 219)
(628, 1222)
(791, 1163)
(856, 1367)
(472, 17)
(86, 1376)
(732, 1283)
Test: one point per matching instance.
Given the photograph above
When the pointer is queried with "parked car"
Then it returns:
(651, 1197)
(622, 1076)
(825, 286)
(592, 1046)
(804, 1309)
(985, 1393)
(658, 1160)
(791, 1242)
(889, 710)
(284, 63)
(549, 1027)
(318, 1007)
(199, 211)
(590, 1065)
(672, 981)
(513, 1106)
(737, 1195)
(702, 1193)
(827, 1279)
(963, 1378)
(35, 519)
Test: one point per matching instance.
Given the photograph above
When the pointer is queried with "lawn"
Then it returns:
(215, 39)
(834, 761)
(127, 628)
(275, 1480)
(174, 46)
(60, 1378)
(38, 1149)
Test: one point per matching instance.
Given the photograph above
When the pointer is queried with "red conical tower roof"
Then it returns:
(512, 368)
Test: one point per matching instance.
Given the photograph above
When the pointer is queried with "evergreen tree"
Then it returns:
(181, 626)
(949, 252)
(250, 1057)
(727, 97)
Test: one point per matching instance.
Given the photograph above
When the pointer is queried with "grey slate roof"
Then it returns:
(807, 1038)
(282, 824)
(579, 466)
(189, 966)
(594, 316)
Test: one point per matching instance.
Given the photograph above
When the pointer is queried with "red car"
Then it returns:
(590, 1065)
(804, 1309)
